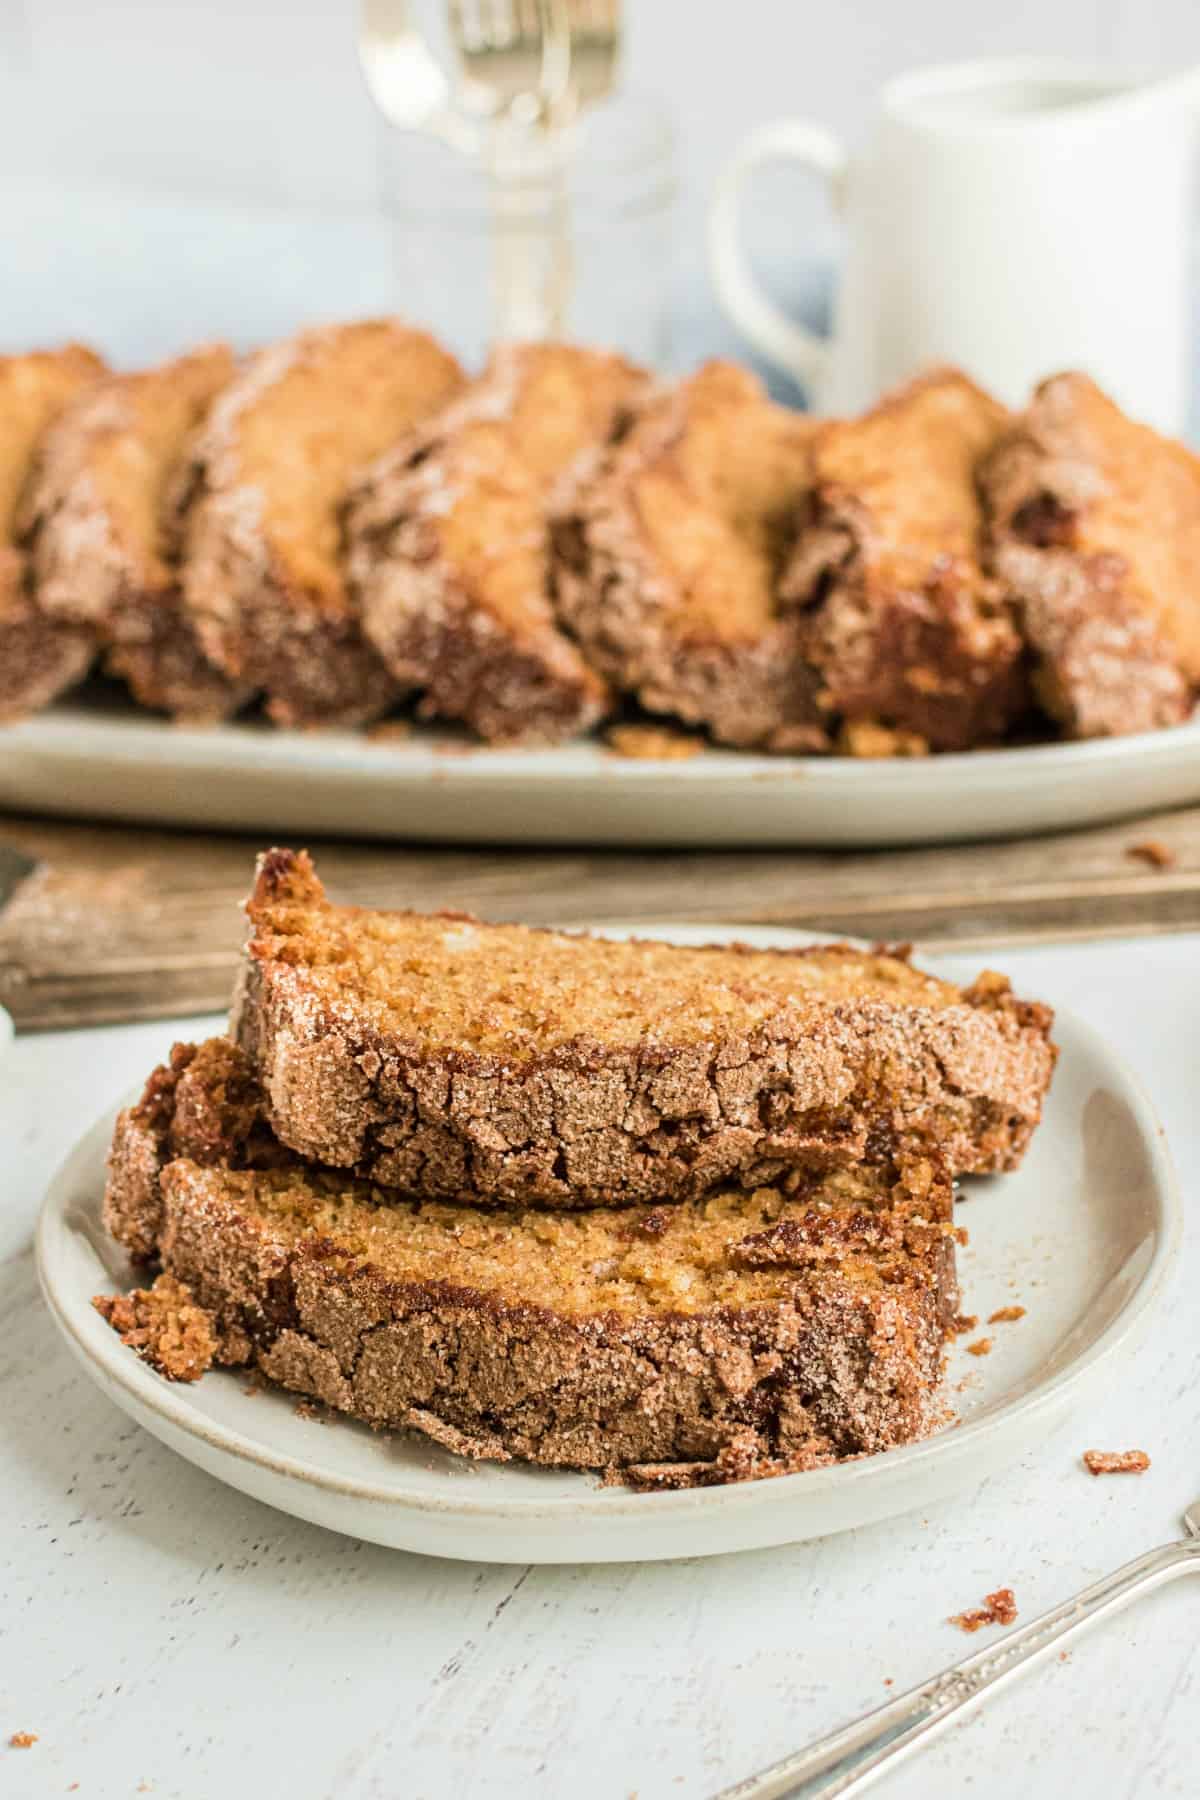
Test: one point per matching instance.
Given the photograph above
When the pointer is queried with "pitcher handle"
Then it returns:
(801, 352)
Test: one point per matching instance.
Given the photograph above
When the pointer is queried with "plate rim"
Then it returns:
(57, 731)
(107, 1360)
(435, 787)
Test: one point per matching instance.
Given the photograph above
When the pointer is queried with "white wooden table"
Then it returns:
(162, 1634)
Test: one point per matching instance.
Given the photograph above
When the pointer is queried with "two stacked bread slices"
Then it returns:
(681, 1213)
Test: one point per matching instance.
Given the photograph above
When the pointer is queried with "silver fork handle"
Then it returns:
(848, 1759)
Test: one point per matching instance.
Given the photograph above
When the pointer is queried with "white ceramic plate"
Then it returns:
(1082, 1236)
(102, 760)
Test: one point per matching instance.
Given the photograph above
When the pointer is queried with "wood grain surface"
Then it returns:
(119, 924)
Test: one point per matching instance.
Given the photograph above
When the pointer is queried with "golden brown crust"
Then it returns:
(98, 520)
(263, 576)
(523, 1066)
(584, 1340)
(900, 620)
(39, 657)
(667, 553)
(1095, 527)
(448, 545)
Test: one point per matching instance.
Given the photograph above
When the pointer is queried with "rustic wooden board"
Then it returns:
(118, 924)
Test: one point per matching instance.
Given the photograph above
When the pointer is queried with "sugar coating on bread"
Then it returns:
(668, 551)
(33, 391)
(101, 521)
(902, 623)
(448, 542)
(264, 579)
(740, 1333)
(1095, 526)
(40, 657)
(447, 1056)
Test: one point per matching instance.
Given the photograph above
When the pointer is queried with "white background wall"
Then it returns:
(261, 98)
(259, 103)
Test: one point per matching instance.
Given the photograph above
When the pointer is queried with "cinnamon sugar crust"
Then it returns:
(903, 625)
(103, 531)
(1095, 525)
(667, 554)
(450, 1057)
(264, 582)
(40, 657)
(577, 1339)
(448, 543)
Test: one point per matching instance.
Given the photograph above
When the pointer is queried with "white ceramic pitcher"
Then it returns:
(1015, 217)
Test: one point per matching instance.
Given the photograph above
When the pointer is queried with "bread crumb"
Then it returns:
(1064, 1656)
(964, 1322)
(889, 1681)
(165, 1327)
(981, 1347)
(1155, 853)
(23, 1740)
(863, 737)
(1006, 1315)
(390, 731)
(1116, 1462)
(653, 743)
(999, 1608)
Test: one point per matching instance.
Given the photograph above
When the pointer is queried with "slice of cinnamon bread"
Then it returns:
(905, 628)
(39, 656)
(448, 543)
(263, 579)
(450, 1057)
(667, 556)
(730, 1336)
(101, 523)
(1094, 524)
